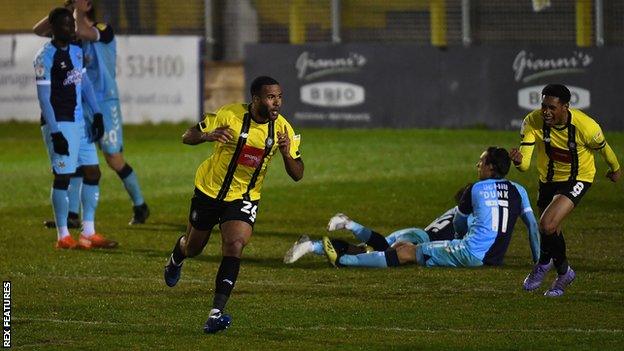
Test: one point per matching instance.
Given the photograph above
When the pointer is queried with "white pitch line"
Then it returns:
(416, 288)
(349, 328)
(461, 331)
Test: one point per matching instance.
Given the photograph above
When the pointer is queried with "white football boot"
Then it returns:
(299, 249)
(338, 221)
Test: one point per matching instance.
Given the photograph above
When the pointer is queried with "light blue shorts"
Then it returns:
(411, 235)
(447, 253)
(112, 141)
(82, 152)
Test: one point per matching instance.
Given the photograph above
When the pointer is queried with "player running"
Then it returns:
(228, 184)
(566, 141)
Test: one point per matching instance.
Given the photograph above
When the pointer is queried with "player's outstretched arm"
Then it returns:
(608, 155)
(194, 135)
(529, 220)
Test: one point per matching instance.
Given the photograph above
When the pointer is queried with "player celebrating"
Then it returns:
(566, 140)
(60, 85)
(440, 229)
(228, 184)
(100, 53)
(494, 203)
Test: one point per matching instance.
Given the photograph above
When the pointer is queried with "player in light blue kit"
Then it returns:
(440, 229)
(100, 54)
(494, 202)
(61, 84)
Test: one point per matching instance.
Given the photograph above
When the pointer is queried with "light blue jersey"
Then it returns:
(60, 70)
(100, 62)
(60, 88)
(495, 205)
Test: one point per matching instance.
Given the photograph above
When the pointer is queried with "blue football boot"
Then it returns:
(217, 322)
(172, 273)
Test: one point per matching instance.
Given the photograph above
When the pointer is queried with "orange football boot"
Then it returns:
(66, 243)
(96, 241)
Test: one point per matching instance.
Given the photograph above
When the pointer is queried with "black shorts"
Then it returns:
(573, 190)
(206, 212)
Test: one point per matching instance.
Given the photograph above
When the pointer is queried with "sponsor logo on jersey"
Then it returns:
(73, 77)
(560, 155)
(250, 156)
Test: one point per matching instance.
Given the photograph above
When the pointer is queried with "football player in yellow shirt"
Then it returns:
(566, 141)
(229, 182)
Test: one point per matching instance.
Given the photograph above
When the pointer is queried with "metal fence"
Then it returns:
(229, 24)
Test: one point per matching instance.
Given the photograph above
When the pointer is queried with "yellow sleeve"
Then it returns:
(597, 141)
(609, 156)
(295, 140)
(527, 143)
(208, 123)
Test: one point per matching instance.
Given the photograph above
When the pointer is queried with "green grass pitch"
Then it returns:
(388, 179)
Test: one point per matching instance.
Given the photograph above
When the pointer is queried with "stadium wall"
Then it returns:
(401, 85)
(159, 77)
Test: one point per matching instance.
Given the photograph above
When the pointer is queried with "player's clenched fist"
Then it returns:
(516, 156)
(614, 176)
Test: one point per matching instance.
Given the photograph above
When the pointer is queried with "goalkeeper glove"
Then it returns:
(97, 127)
(60, 144)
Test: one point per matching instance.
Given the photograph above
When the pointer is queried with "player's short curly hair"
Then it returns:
(499, 159)
(259, 82)
(559, 91)
(57, 14)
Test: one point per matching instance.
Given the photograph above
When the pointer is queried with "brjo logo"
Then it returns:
(332, 94)
(530, 98)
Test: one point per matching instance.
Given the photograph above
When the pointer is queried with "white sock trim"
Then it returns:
(88, 228)
(62, 232)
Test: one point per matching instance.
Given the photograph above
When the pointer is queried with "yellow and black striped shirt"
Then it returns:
(564, 152)
(236, 170)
